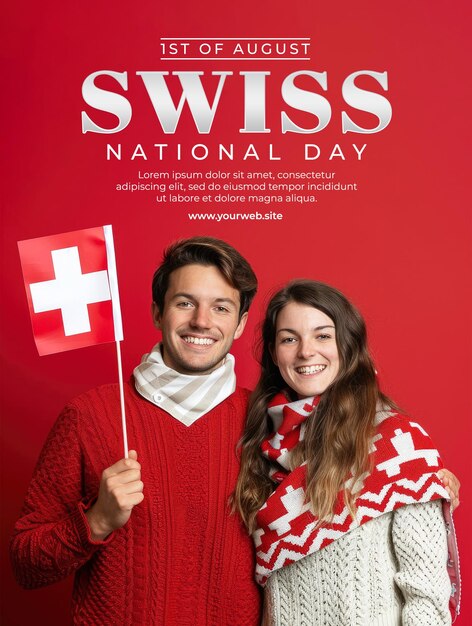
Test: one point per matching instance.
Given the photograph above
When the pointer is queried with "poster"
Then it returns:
(384, 214)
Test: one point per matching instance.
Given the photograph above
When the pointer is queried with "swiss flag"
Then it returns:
(72, 289)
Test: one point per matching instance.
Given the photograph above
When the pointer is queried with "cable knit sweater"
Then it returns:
(390, 571)
(181, 559)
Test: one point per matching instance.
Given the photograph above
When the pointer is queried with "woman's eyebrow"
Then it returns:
(290, 330)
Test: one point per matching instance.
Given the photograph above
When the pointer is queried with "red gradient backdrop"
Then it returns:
(399, 247)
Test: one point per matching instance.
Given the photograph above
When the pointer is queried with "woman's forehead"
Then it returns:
(297, 314)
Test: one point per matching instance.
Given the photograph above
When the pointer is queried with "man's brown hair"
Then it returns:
(206, 251)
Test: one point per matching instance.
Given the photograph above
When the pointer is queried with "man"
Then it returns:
(153, 541)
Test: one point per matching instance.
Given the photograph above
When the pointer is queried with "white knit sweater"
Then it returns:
(390, 571)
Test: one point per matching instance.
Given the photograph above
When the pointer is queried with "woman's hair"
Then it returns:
(336, 443)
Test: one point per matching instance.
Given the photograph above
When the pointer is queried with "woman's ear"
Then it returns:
(273, 354)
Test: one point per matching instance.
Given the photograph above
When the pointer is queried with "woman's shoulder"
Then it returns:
(390, 420)
(400, 443)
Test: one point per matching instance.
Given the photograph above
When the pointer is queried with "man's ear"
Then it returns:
(156, 315)
(240, 327)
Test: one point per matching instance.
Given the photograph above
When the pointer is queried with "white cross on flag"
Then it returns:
(72, 289)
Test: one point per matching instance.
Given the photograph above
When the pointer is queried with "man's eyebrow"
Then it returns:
(182, 294)
(227, 300)
(189, 296)
(290, 330)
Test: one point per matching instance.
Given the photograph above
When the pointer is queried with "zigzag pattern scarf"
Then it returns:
(405, 463)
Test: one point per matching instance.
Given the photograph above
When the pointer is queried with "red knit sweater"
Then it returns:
(181, 559)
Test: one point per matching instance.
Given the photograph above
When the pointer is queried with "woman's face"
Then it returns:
(305, 349)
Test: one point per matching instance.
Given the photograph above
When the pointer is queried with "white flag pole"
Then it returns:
(115, 298)
(122, 399)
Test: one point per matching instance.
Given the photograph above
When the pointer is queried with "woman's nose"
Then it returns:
(306, 348)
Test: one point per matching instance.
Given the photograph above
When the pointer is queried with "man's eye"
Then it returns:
(184, 305)
(221, 309)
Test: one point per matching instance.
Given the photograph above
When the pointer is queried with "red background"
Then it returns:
(399, 247)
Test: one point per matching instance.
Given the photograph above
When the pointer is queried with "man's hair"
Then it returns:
(206, 251)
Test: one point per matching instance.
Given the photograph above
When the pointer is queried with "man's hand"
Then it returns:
(121, 488)
(452, 485)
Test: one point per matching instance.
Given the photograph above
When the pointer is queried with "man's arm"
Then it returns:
(452, 484)
(54, 536)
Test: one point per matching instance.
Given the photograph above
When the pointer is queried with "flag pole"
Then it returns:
(122, 399)
(117, 323)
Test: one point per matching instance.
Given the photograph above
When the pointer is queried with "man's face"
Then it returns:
(200, 319)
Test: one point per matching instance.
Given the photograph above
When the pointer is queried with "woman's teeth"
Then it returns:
(310, 369)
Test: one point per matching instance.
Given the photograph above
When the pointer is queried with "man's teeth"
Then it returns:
(201, 341)
(311, 369)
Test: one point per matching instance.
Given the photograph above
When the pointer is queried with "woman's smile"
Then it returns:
(305, 349)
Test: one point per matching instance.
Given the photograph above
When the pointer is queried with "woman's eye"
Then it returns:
(324, 337)
(288, 340)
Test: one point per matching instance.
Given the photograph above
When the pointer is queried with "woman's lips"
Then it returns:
(310, 369)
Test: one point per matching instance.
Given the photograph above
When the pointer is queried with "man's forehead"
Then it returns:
(201, 282)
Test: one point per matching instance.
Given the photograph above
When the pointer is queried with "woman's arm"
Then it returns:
(420, 544)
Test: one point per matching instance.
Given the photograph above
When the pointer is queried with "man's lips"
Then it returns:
(198, 341)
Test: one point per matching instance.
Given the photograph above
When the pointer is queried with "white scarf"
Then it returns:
(185, 397)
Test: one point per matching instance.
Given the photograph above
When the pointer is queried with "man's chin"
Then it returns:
(198, 365)
(192, 364)
(200, 368)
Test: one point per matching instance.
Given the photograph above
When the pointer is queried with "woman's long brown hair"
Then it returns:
(337, 440)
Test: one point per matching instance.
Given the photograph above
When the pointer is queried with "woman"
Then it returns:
(338, 488)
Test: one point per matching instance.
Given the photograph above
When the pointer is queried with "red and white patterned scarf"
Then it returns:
(405, 463)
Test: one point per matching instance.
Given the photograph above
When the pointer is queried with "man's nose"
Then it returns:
(201, 317)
